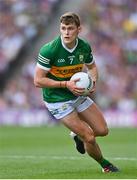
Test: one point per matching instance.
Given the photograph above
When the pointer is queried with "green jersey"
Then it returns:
(61, 63)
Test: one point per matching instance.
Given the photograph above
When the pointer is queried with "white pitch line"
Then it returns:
(61, 157)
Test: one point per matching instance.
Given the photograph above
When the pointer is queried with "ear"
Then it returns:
(79, 29)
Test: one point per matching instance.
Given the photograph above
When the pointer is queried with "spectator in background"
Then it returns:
(20, 22)
(112, 32)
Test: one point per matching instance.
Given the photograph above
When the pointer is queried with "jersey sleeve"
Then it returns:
(44, 58)
(89, 59)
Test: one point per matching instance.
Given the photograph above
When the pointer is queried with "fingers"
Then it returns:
(71, 85)
(77, 93)
(76, 80)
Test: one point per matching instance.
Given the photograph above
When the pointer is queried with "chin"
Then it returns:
(67, 42)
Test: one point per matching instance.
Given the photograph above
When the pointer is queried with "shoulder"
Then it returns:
(49, 49)
(84, 44)
(86, 48)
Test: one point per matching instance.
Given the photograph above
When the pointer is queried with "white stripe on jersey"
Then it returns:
(91, 62)
(43, 67)
(43, 59)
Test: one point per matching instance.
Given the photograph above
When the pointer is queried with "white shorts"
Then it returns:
(61, 109)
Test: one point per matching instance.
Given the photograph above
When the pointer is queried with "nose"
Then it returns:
(66, 31)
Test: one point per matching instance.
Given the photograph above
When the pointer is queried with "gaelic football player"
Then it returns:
(58, 60)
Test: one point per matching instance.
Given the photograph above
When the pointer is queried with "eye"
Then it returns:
(70, 28)
(63, 28)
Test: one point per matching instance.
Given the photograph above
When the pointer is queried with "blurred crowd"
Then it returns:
(111, 28)
(20, 21)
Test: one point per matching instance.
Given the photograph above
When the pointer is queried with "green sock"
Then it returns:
(104, 163)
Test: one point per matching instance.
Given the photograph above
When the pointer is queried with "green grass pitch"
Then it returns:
(49, 153)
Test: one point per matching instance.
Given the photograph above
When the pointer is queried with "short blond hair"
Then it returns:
(70, 18)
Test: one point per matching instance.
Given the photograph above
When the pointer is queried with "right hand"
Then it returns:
(71, 85)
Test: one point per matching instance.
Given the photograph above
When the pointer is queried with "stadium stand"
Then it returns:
(110, 26)
(21, 23)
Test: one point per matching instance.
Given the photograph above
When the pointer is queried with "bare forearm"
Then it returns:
(93, 72)
(46, 82)
(41, 80)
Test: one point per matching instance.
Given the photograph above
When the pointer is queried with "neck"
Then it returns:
(70, 45)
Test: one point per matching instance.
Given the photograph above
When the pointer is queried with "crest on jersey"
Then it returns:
(81, 58)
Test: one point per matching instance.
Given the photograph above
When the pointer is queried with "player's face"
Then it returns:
(69, 34)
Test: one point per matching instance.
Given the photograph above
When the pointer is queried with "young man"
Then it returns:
(58, 60)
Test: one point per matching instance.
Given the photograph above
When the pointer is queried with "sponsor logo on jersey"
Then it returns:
(65, 71)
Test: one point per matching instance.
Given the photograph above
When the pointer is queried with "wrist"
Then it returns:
(63, 84)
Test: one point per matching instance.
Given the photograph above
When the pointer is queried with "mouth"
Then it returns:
(66, 38)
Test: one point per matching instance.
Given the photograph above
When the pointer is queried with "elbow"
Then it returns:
(36, 83)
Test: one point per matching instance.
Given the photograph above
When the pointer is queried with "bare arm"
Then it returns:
(41, 80)
(93, 71)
